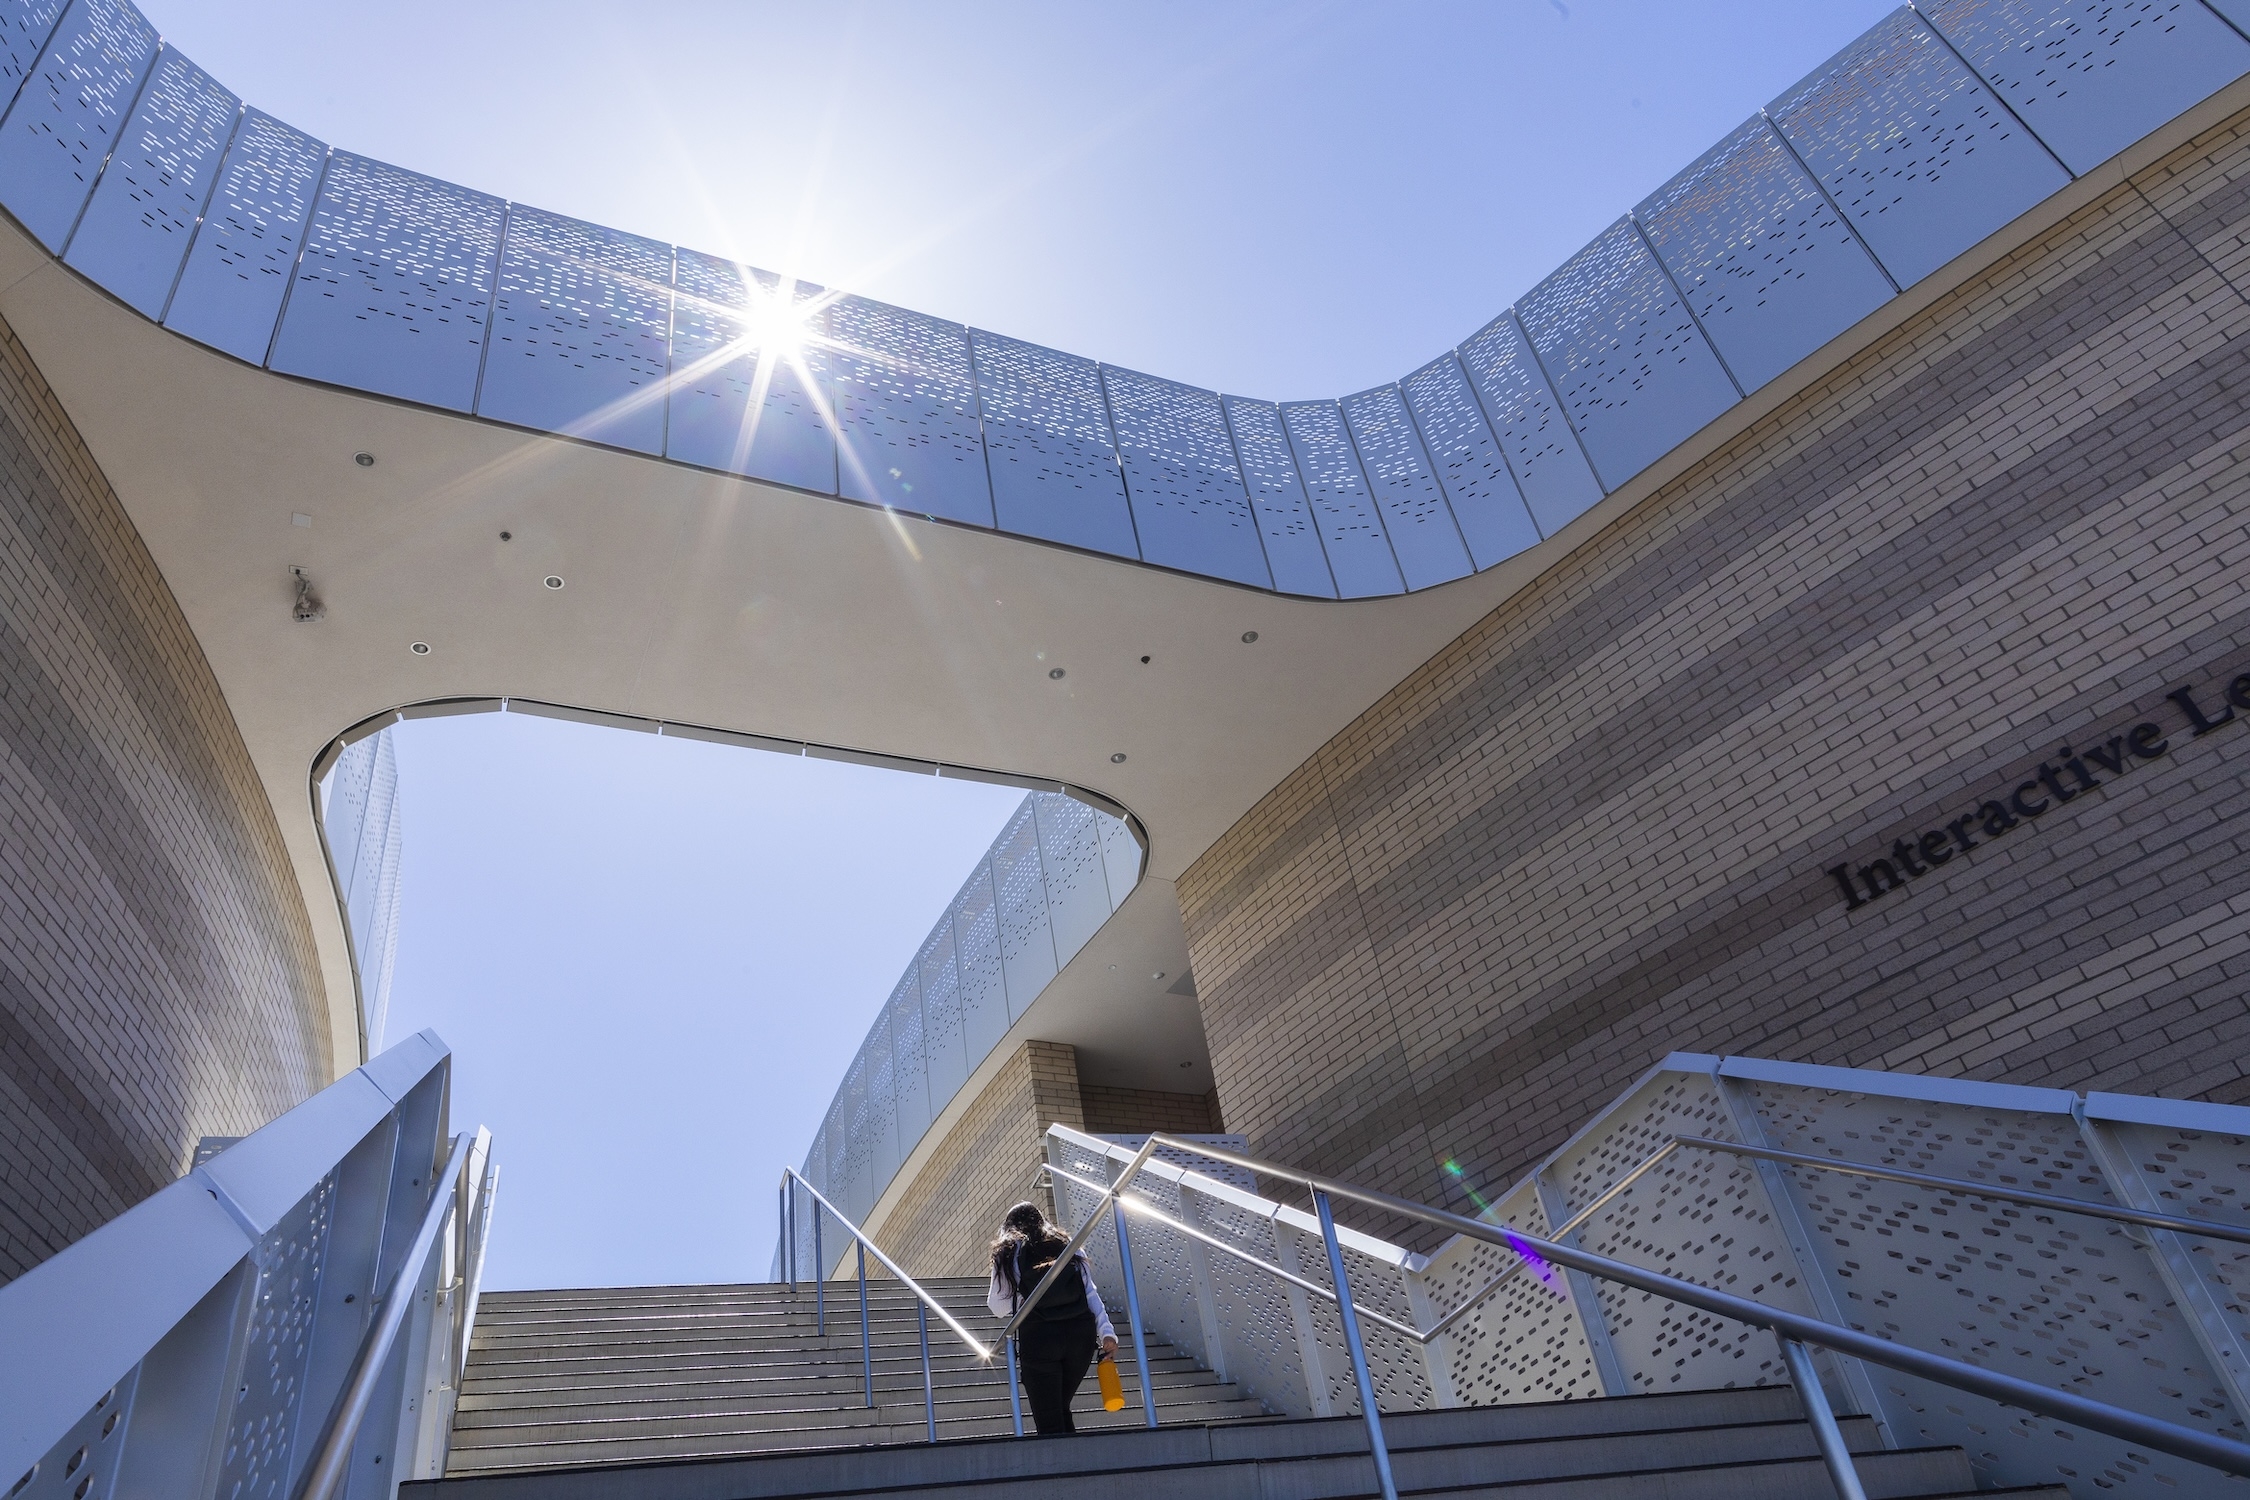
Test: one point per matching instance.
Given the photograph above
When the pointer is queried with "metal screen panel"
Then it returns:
(394, 289)
(1047, 439)
(1027, 944)
(883, 1150)
(1634, 374)
(254, 1457)
(1486, 503)
(1070, 858)
(581, 327)
(857, 1193)
(1425, 542)
(976, 956)
(2090, 77)
(944, 1037)
(24, 28)
(69, 114)
(1277, 498)
(141, 219)
(748, 366)
(1716, 1225)
(1351, 529)
(1525, 1342)
(1121, 858)
(906, 412)
(1542, 452)
(1190, 508)
(1768, 266)
(1918, 154)
(2070, 1302)
(910, 1060)
(230, 291)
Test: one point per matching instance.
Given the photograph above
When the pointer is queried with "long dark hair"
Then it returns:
(1026, 1227)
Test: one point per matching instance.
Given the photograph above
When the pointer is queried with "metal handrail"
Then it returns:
(1791, 1328)
(325, 1474)
(961, 1332)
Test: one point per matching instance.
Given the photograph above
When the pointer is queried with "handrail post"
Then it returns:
(866, 1343)
(789, 1200)
(1345, 1313)
(1133, 1310)
(1015, 1396)
(929, 1391)
(819, 1279)
(1842, 1472)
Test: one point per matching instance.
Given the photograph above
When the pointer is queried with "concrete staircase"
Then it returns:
(629, 1374)
(1705, 1445)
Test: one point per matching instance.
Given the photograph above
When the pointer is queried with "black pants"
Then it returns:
(1053, 1358)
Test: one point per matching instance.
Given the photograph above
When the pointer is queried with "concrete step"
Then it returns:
(493, 1395)
(1713, 1445)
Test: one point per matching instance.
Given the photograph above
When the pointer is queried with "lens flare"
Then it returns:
(1533, 1258)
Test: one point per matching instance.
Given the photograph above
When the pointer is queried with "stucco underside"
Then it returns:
(1596, 827)
(157, 974)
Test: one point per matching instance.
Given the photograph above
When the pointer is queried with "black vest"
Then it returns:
(1065, 1300)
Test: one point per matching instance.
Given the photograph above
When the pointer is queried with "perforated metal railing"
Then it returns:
(1937, 127)
(1707, 1171)
(289, 1321)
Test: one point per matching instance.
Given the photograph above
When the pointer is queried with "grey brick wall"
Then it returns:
(157, 974)
(1597, 826)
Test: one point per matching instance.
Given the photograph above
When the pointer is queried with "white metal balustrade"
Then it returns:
(2051, 1282)
(289, 1320)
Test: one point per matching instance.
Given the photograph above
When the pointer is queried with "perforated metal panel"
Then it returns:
(910, 1061)
(137, 226)
(1343, 509)
(745, 398)
(1027, 944)
(1070, 857)
(944, 1033)
(1277, 499)
(1634, 375)
(976, 956)
(83, 1463)
(581, 326)
(1425, 542)
(230, 291)
(254, 1459)
(883, 1078)
(1189, 505)
(394, 289)
(1542, 452)
(1486, 503)
(905, 411)
(24, 28)
(1047, 439)
(1121, 858)
(2048, 1297)
(2090, 77)
(1918, 154)
(1524, 1342)
(1702, 1217)
(69, 113)
(1768, 266)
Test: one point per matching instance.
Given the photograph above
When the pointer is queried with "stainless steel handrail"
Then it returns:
(791, 1180)
(325, 1474)
(1790, 1328)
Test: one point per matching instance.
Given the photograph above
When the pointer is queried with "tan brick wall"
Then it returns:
(157, 974)
(949, 1213)
(1114, 1111)
(1595, 827)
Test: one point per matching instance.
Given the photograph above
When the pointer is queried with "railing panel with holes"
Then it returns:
(2092, 1247)
(291, 1318)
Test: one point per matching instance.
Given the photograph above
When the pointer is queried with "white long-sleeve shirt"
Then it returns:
(1001, 1298)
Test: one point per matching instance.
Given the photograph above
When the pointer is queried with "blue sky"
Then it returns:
(653, 957)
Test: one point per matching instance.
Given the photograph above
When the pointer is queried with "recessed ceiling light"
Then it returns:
(1249, 637)
(420, 648)
(1144, 661)
(1159, 974)
(507, 536)
(364, 460)
(553, 582)
(1118, 759)
(1056, 673)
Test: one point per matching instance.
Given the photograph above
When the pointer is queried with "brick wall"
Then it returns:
(1114, 1111)
(1598, 825)
(946, 1218)
(157, 974)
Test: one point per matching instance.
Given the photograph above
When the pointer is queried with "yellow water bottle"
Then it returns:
(1113, 1389)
